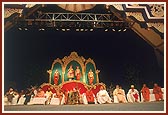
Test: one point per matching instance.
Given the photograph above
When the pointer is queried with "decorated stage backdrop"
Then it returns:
(63, 65)
(63, 74)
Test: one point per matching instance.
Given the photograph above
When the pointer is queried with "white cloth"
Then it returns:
(119, 96)
(103, 97)
(130, 96)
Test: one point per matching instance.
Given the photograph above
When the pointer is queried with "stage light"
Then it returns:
(25, 29)
(124, 30)
(81, 29)
(77, 29)
(106, 30)
(86, 30)
(113, 30)
(41, 29)
(63, 30)
(68, 29)
(119, 30)
(91, 30)
(19, 28)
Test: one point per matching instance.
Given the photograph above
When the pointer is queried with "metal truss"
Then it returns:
(76, 20)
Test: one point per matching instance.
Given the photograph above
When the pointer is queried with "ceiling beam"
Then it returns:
(9, 24)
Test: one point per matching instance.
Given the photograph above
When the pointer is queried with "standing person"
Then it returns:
(145, 93)
(77, 73)
(91, 76)
(48, 95)
(120, 94)
(70, 73)
(103, 96)
(158, 92)
(56, 77)
(133, 95)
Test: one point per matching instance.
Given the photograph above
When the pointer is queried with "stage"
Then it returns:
(148, 107)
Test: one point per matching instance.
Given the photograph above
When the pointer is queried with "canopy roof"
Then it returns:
(148, 18)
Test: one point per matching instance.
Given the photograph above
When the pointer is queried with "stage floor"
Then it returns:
(148, 107)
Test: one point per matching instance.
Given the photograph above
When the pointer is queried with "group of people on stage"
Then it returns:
(133, 94)
(74, 97)
(71, 74)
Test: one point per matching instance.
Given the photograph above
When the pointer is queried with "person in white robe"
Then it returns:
(133, 95)
(119, 95)
(103, 96)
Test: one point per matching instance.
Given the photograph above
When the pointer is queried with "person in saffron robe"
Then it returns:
(40, 93)
(77, 73)
(90, 96)
(145, 93)
(103, 96)
(70, 73)
(56, 77)
(133, 95)
(158, 92)
(91, 77)
(120, 93)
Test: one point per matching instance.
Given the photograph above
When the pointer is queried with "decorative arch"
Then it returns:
(57, 64)
(62, 65)
(73, 58)
(90, 64)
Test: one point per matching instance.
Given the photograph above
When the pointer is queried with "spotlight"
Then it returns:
(124, 30)
(86, 30)
(91, 30)
(77, 29)
(25, 29)
(20, 28)
(63, 30)
(106, 30)
(41, 29)
(119, 30)
(81, 29)
(113, 30)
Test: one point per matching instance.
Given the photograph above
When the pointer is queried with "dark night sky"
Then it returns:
(29, 54)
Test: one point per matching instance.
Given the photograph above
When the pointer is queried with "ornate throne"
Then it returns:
(62, 66)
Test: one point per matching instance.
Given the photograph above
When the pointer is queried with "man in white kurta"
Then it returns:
(119, 95)
(133, 95)
(103, 96)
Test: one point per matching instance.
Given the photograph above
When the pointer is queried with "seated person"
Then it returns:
(60, 95)
(90, 96)
(157, 92)
(145, 93)
(133, 95)
(21, 94)
(40, 93)
(120, 94)
(103, 96)
(10, 95)
(65, 92)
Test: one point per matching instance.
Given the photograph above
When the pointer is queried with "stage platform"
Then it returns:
(148, 107)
